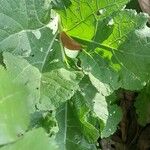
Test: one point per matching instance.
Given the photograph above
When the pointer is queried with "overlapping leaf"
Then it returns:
(116, 54)
(60, 85)
(123, 56)
(26, 29)
(80, 18)
(17, 19)
(82, 105)
(96, 113)
(55, 86)
(17, 103)
(22, 72)
(70, 133)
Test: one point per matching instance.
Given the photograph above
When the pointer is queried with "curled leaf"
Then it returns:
(69, 43)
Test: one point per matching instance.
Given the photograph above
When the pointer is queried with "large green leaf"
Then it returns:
(42, 87)
(121, 57)
(17, 19)
(22, 72)
(37, 43)
(70, 132)
(82, 105)
(131, 49)
(55, 86)
(14, 114)
(46, 52)
(80, 18)
(29, 31)
(60, 85)
(35, 140)
(91, 102)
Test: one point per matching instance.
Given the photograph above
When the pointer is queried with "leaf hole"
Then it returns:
(32, 55)
(50, 111)
(20, 134)
(113, 146)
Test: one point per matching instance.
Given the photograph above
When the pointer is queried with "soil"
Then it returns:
(130, 135)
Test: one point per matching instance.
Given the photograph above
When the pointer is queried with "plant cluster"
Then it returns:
(63, 63)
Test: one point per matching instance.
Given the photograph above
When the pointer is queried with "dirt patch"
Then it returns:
(130, 135)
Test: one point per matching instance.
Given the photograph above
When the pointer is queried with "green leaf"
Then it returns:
(60, 85)
(109, 113)
(80, 23)
(86, 118)
(114, 117)
(95, 66)
(70, 132)
(50, 88)
(93, 109)
(17, 21)
(30, 142)
(122, 59)
(130, 51)
(29, 32)
(103, 88)
(34, 15)
(22, 72)
(90, 102)
(142, 105)
(46, 52)
(14, 114)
